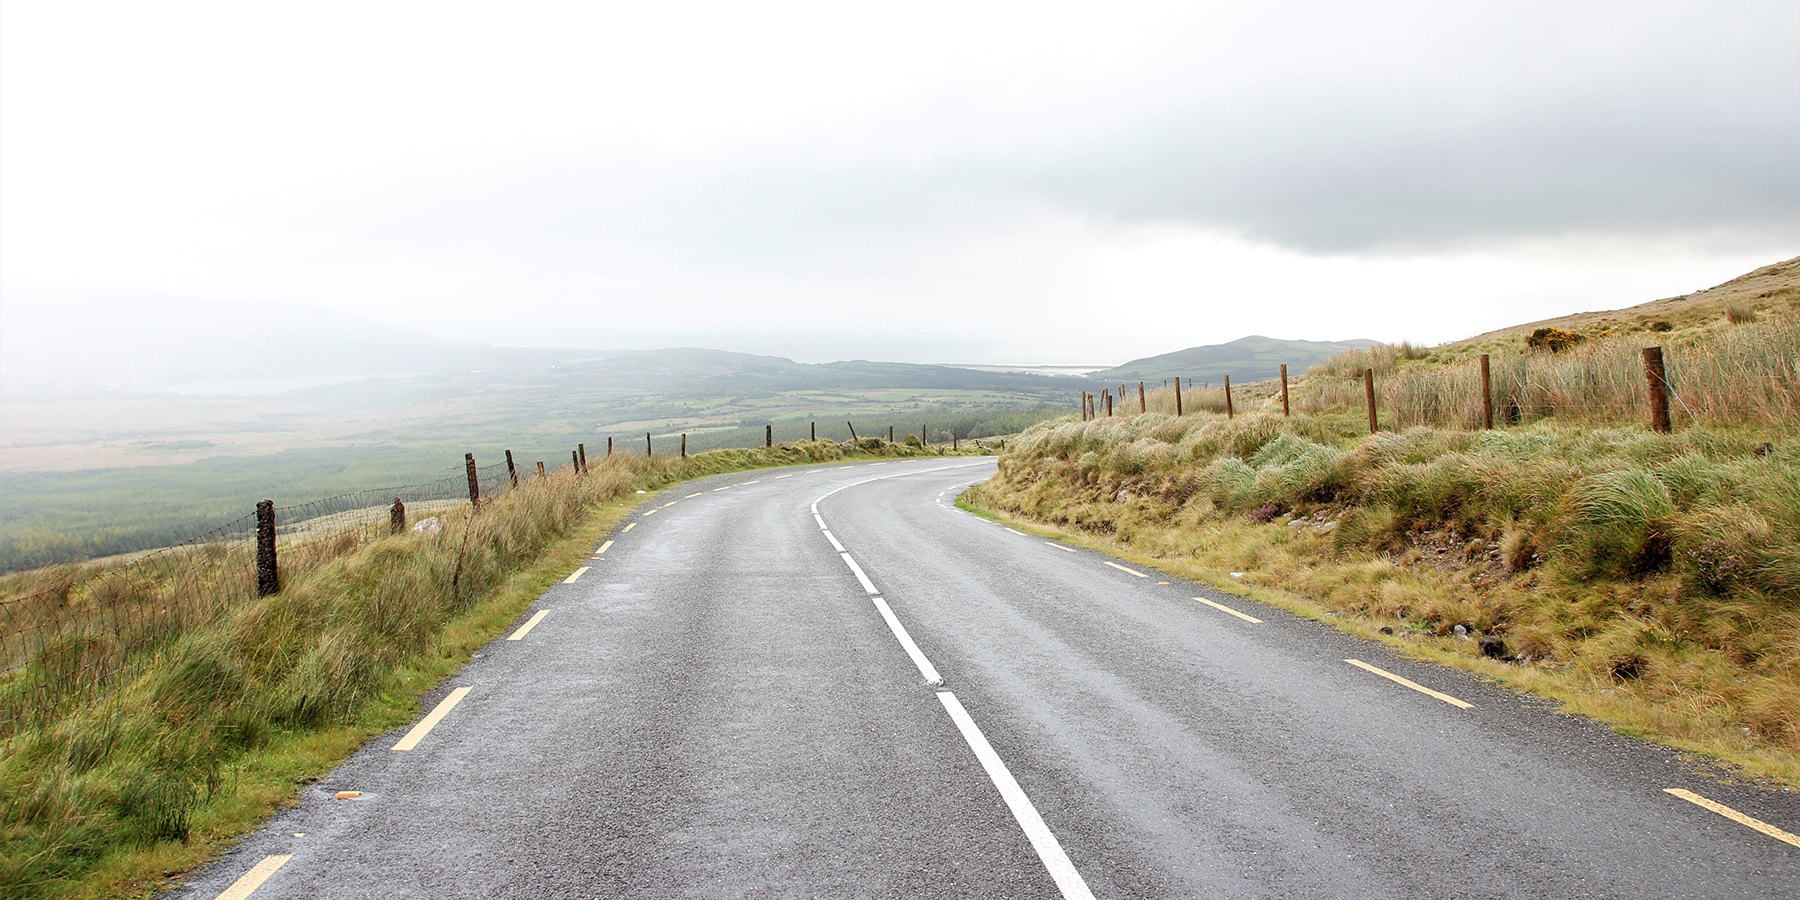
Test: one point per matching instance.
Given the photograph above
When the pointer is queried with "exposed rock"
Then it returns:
(428, 526)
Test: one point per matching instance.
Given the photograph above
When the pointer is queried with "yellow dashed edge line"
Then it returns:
(425, 725)
(1786, 837)
(247, 884)
(1459, 704)
(1226, 609)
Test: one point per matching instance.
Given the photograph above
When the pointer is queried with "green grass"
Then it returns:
(177, 709)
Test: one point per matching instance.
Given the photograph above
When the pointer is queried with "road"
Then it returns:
(830, 682)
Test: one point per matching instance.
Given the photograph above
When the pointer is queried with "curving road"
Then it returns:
(831, 683)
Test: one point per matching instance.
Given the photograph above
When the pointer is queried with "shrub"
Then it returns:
(1553, 339)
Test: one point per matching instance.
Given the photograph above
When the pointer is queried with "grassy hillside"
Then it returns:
(150, 713)
(1648, 579)
(1246, 359)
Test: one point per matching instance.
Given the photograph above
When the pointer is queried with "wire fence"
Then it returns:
(69, 631)
(1749, 378)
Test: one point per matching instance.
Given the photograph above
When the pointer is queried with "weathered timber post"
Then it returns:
(474, 485)
(1141, 406)
(890, 434)
(768, 436)
(953, 438)
(268, 579)
(648, 452)
(684, 445)
(853, 437)
(1658, 378)
(1284, 399)
(815, 431)
(582, 449)
(397, 517)
(609, 446)
(922, 441)
(1369, 391)
(541, 469)
(575, 461)
(512, 474)
(1108, 395)
(1178, 396)
(1228, 412)
(1487, 395)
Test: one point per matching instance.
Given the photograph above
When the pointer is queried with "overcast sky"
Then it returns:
(931, 182)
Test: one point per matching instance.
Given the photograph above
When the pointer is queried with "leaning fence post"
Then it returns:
(1369, 391)
(768, 436)
(1284, 397)
(575, 461)
(582, 449)
(474, 485)
(1487, 395)
(268, 580)
(397, 517)
(853, 437)
(1658, 377)
(1178, 396)
(1228, 412)
(512, 474)
(1141, 406)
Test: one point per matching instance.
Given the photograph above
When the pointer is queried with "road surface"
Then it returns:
(830, 682)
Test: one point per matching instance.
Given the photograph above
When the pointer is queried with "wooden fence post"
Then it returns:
(1178, 396)
(853, 437)
(768, 436)
(1284, 397)
(582, 449)
(474, 485)
(397, 517)
(953, 438)
(609, 446)
(1658, 377)
(1228, 412)
(575, 461)
(648, 452)
(922, 441)
(541, 469)
(684, 445)
(512, 474)
(815, 431)
(1369, 391)
(1487, 395)
(1108, 395)
(1142, 408)
(268, 578)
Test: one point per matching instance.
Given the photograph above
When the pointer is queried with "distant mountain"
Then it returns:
(1254, 358)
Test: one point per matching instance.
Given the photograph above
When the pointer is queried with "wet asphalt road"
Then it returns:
(717, 707)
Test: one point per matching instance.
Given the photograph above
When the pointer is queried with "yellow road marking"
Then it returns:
(1121, 568)
(531, 623)
(425, 725)
(253, 879)
(628, 527)
(1060, 547)
(1786, 837)
(575, 575)
(603, 548)
(649, 512)
(1018, 532)
(1223, 608)
(668, 504)
(1459, 704)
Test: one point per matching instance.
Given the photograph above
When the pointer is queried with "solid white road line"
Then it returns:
(530, 623)
(247, 884)
(1060, 547)
(860, 576)
(425, 725)
(834, 542)
(1048, 848)
(819, 519)
(913, 652)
